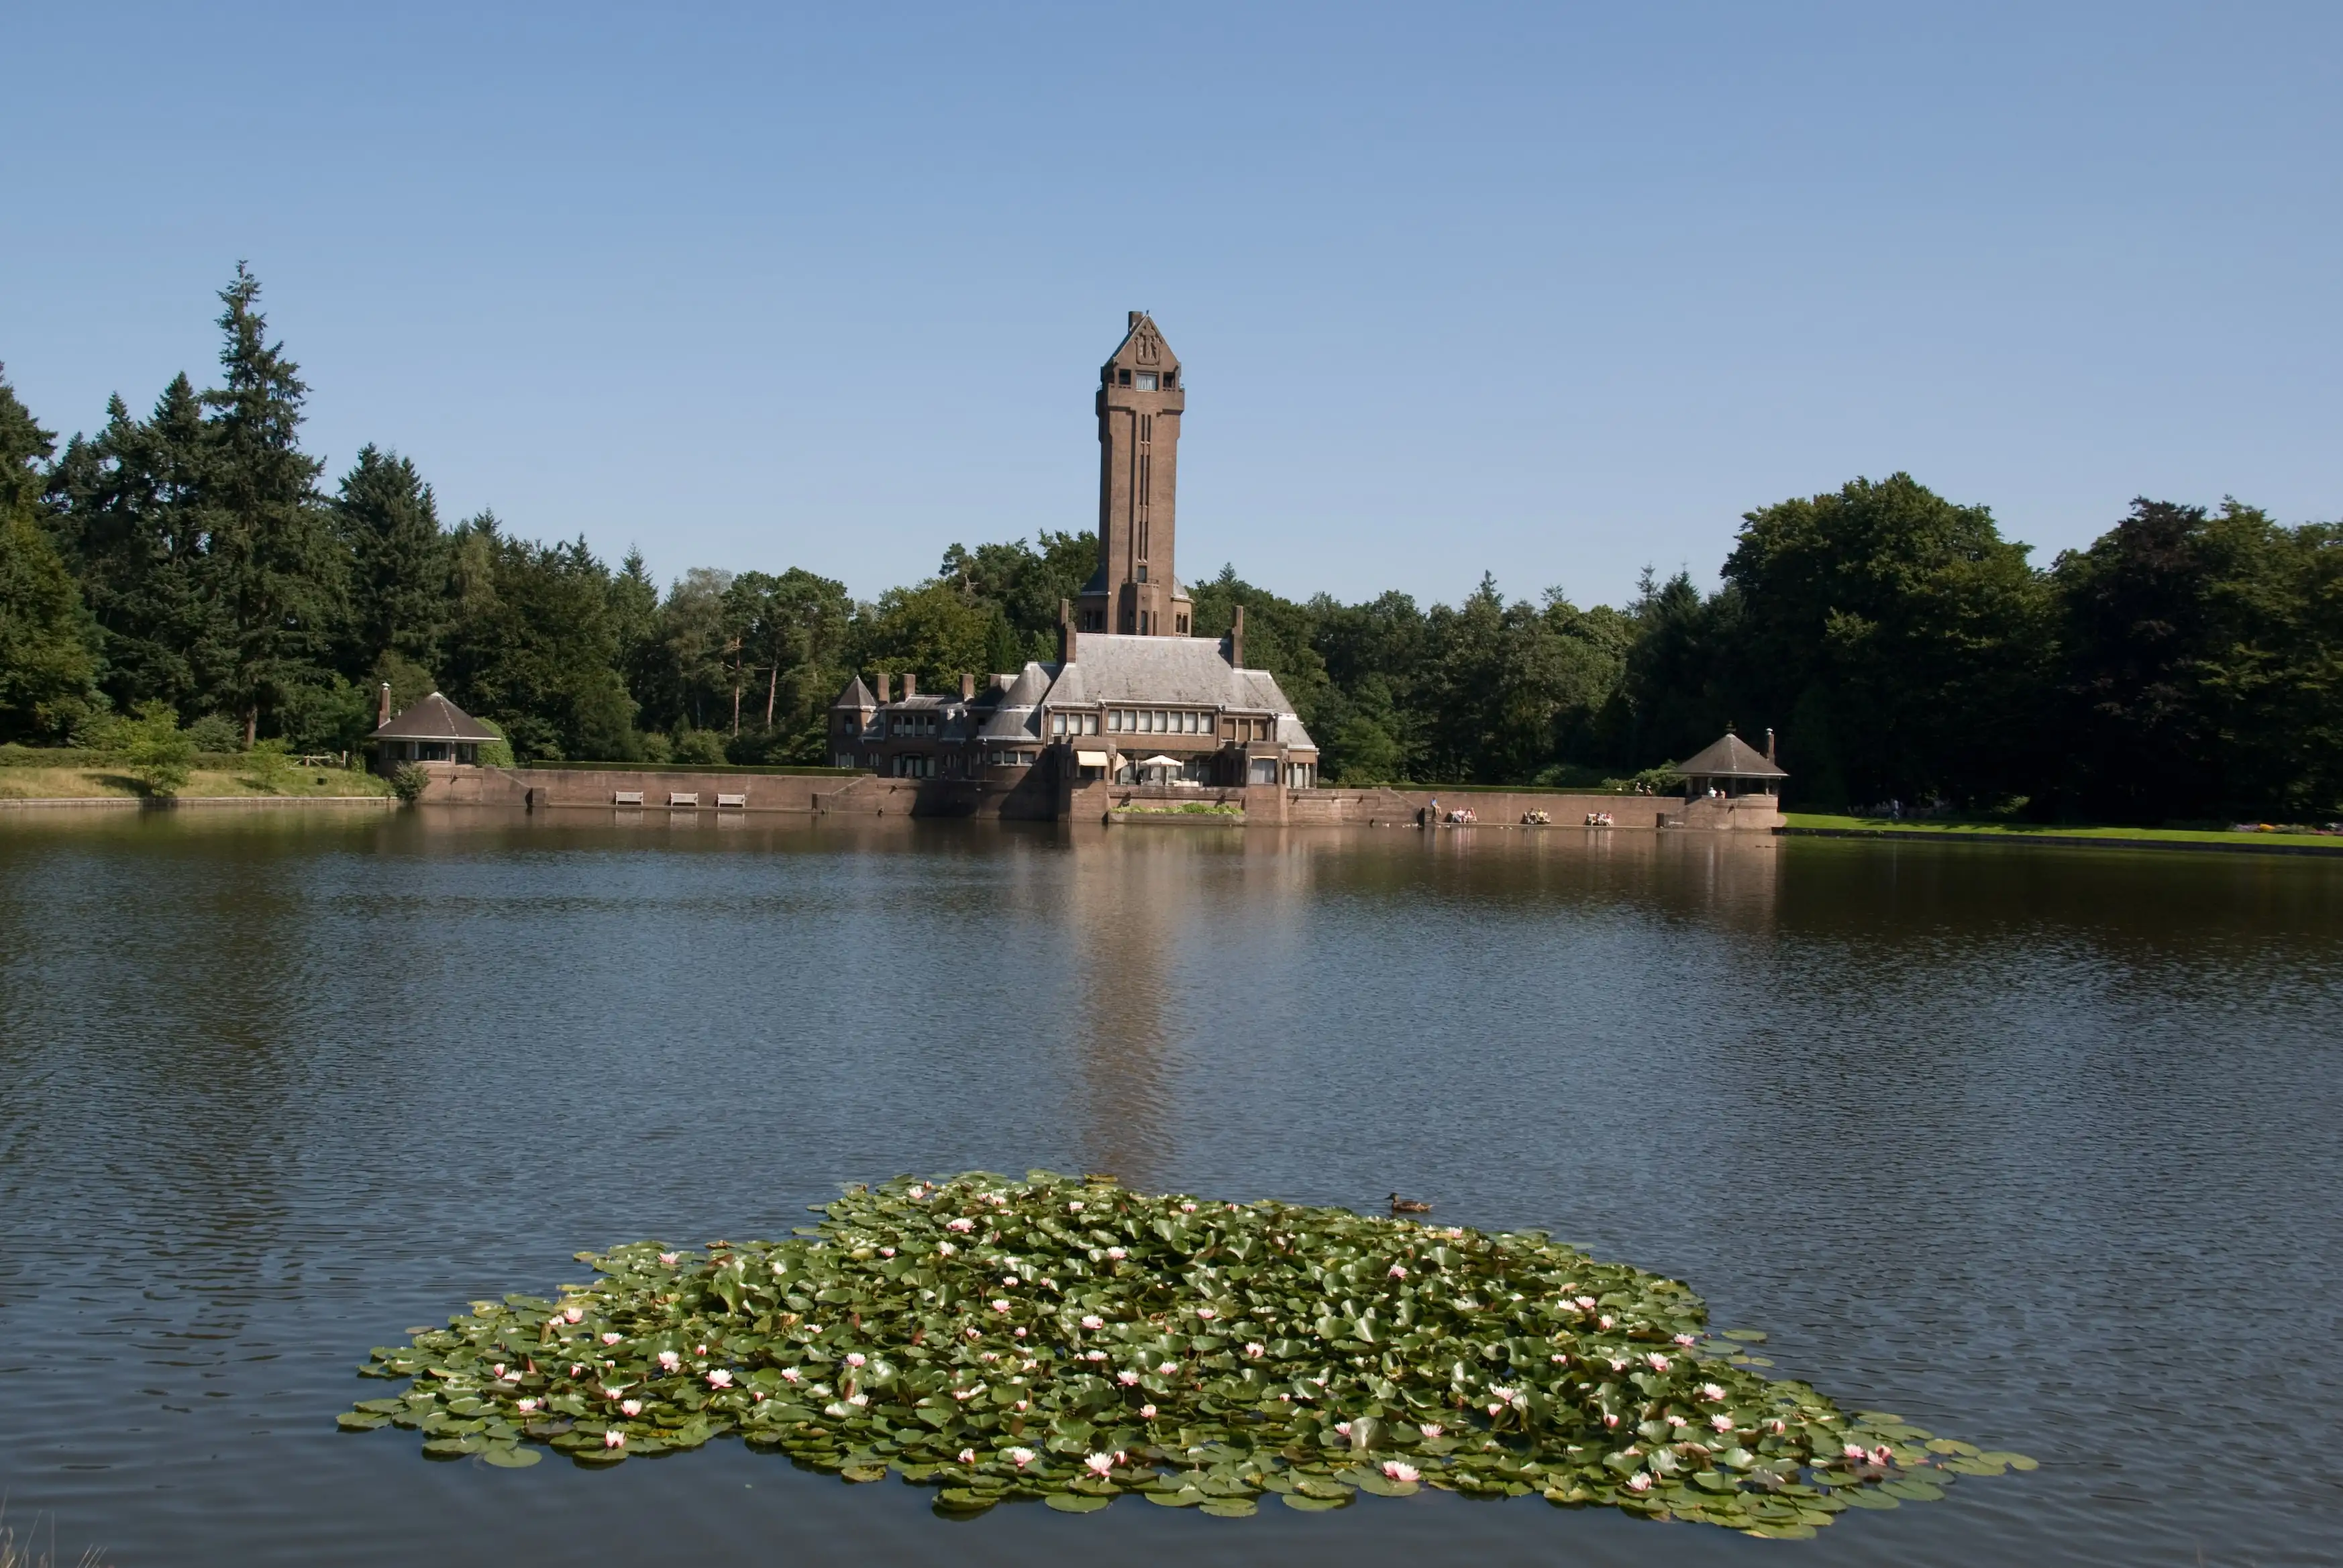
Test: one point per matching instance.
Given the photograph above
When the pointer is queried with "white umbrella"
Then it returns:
(1162, 762)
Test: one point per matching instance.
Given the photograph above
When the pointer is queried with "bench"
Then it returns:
(626, 798)
(678, 798)
(737, 802)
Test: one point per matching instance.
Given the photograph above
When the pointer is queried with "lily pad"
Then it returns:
(1069, 1339)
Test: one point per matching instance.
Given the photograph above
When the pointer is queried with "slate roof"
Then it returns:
(1019, 716)
(436, 718)
(1192, 671)
(856, 695)
(1730, 758)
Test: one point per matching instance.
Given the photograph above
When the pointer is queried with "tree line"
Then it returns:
(192, 566)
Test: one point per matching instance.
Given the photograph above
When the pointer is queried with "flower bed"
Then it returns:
(1068, 1340)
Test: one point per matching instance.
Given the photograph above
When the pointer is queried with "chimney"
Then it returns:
(382, 708)
(967, 686)
(884, 680)
(1131, 323)
(1066, 649)
(910, 686)
(1769, 743)
(1236, 640)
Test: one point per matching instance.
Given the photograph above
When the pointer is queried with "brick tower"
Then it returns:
(1140, 401)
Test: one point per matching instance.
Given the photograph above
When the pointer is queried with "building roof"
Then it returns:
(1019, 716)
(1730, 758)
(1192, 671)
(436, 718)
(856, 695)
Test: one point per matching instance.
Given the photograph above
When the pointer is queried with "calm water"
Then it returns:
(2035, 1148)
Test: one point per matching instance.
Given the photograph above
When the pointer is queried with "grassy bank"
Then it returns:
(204, 783)
(2057, 832)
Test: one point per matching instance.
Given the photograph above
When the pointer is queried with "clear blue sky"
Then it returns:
(1553, 291)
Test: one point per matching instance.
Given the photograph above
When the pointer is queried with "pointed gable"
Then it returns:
(1142, 348)
(856, 696)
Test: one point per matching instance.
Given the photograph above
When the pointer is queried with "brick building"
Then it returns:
(1133, 697)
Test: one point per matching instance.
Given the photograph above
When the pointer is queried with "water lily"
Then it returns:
(612, 1339)
(1093, 1355)
(1686, 1340)
(1640, 1481)
(498, 1370)
(1854, 1451)
(1712, 1391)
(961, 1223)
(574, 1314)
(1604, 1321)
(1093, 1322)
(857, 1400)
(1075, 1207)
(968, 1456)
(669, 1360)
(1400, 1471)
(1147, 1412)
(670, 1259)
(1255, 1349)
(1678, 1422)
(1343, 1427)
(1397, 1272)
(856, 1358)
(1117, 1253)
(886, 1252)
(999, 1305)
(1584, 1303)
(1018, 1332)
(1657, 1361)
(1720, 1421)
(945, 1249)
(577, 1368)
(1432, 1429)
(720, 1378)
(1009, 1280)
(1019, 1457)
(1610, 1418)
(631, 1407)
(1187, 1208)
(1100, 1464)
(524, 1405)
(791, 1374)
(614, 1438)
(1883, 1455)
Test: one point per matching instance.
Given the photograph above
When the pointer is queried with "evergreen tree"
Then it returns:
(48, 662)
(276, 574)
(534, 647)
(389, 524)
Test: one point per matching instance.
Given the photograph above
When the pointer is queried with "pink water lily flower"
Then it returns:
(1777, 1427)
(1712, 1391)
(1720, 1421)
(1075, 1207)
(960, 1222)
(945, 1249)
(524, 1405)
(1658, 1361)
(513, 1376)
(963, 1394)
(1686, 1340)
(1117, 1253)
(1640, 1481)
(1167, 1368)
(791, 1374)
(669, 1360)
(999, 1305)
(1147, 1412)
(612, 1339)
(1399, 1469)
(1009, 1280)
(1021, 1333)
(886, 1252)
(577, 1368)
(1098, 1463)
(1019, 1457)
(1126, 1377)
(699, 1350)
(1206, 1314)
(614, 1438)
(968, 1456)
(1397, 1272)
(1854, 1451)
(670, 1259)
(498, 1370)
(1343, 1427)
(1021, 1404)
(1678, 1422)
(1432, 1429)
(1255, 1349)
(855, 1359)
(1584, 1303)
(574, 1314)
(1609, 1419)
(631, 1407)
(1187, 1208)
(1093, 1321)
(1605, 1321)
(1883, 1455)
(720, 1378)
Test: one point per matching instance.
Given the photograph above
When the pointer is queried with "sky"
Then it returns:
(1554, 292)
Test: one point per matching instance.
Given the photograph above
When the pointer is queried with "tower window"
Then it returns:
(1147, 381)
(1142, 571)
(1170, 379)
(1122, 377)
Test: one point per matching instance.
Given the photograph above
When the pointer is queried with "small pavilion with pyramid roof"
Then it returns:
(1732, 767)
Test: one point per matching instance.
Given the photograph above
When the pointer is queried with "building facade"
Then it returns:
(1133, 696)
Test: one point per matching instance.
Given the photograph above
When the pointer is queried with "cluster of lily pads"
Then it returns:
(1065, 1339)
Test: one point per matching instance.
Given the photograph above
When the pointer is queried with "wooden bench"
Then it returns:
(625, 798)
(739, 802)
(678, 798)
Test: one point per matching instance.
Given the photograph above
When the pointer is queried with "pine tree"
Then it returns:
(275, 575)
(398, 561)
(48, 644)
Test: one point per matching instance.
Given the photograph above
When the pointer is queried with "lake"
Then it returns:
(2036, 1148)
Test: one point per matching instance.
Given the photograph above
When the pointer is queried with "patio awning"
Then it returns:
(1090, 758)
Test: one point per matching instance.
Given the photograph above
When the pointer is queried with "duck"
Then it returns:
(1400, 1205)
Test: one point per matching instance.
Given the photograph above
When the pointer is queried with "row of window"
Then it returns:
(1147, 380)
(1157, 721)
(1073, 724)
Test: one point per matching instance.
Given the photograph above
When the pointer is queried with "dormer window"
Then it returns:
(1147, 381)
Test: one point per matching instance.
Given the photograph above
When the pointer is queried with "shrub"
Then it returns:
(272, 763)
(212, 732)
(496, 753)
(698, 746)
(407, 782)
(157, 752)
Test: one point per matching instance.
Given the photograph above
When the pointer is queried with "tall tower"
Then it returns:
(1140, 401)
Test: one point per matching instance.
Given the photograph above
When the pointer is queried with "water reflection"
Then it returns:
(2034, 1147)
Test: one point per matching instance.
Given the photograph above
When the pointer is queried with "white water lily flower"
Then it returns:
(1398, 1470)
(856, 1358)
(1098, 1463)
(1432, 1429)
(720, 1378)
(614, 1438)
(669, 1360)
(1640, 1481)
(959, 1222)
(1019, 1457)
(791, 1375)
(968, 1456)
(1093, 1321)
(524, 1405)
(1147, 1412)
(670, 1259)
(1074, 1207)
(857, 1400)
(1117, 1253)
(612, 1339)
(631, 1407)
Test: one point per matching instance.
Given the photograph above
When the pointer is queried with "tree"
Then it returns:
(1909, 622)
(48, 662)
(934, 631)
(534, 646)
(130, 520)
(275, 575)
(389, 527)
(158, 753)
(795, 628)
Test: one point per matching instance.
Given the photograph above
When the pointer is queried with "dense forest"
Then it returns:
(193, 566)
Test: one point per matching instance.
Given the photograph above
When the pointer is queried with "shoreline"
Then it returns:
(177, 802)
(2245, 844)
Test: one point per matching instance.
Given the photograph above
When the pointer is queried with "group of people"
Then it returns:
(1537, 819)
(1598, 820)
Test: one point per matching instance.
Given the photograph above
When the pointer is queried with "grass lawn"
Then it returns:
(89, 783)
(2054, 830)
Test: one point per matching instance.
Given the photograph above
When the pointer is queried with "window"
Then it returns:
(1057, 724)
(1170, 379)
(1122, 377)
(1142, 566)
(1183, 626)
(1147, 381)
(1090, 723)
(1264, 771)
